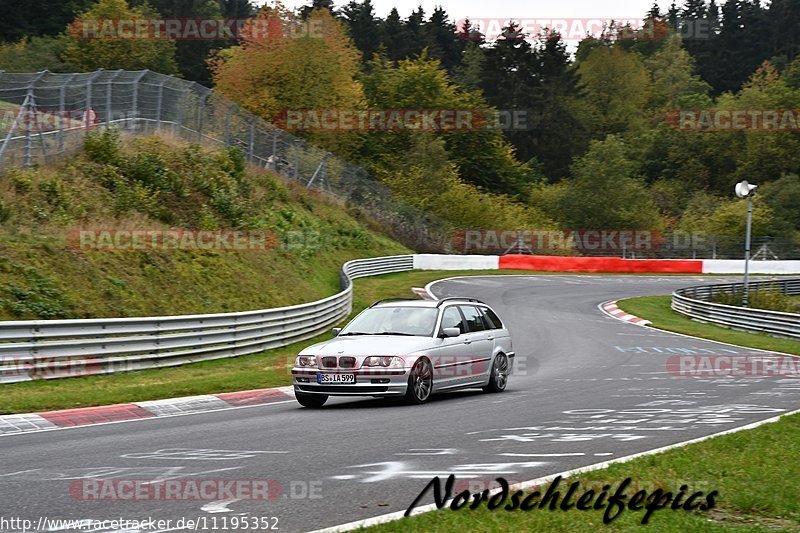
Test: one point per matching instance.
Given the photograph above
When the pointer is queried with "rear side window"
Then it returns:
(451, 318)
(473, 317)
(491, 318)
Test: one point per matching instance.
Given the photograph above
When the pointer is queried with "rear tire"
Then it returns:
(498, 377)
(312, 401)
(420, 382)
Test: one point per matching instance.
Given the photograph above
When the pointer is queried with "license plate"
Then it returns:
(335, 379)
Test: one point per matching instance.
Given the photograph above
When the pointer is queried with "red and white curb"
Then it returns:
(612, 310)
(423, 293)
(88, 416)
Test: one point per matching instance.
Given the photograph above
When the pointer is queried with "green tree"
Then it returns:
(37, 18)
(606, 191)
(783, 197)
(191, 55)
(615, 88)
(129, 54)
(674, 83)
(364, 26)
(34, 54)
(483, 157)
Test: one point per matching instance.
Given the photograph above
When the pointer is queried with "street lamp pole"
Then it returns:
(747, 252)
(745, 190)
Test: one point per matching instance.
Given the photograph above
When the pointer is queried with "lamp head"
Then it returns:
(744, 189)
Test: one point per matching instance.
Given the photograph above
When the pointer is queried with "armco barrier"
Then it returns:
(66, 348)
(694, 303)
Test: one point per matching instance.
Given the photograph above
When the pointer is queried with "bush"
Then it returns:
(103, 146)
(770, 298)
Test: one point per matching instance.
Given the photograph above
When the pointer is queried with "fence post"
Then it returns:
(319, 169)
(135, 110)
(181, 106)
(297, 159)
(158, 103)
(62, 104)
(88, 114)
(227, 135)
(108, 98)
(252, 143)
(201, 116)
(29, 111)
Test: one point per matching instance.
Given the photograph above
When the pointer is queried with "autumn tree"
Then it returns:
(312, 66)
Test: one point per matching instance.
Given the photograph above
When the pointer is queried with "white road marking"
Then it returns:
(576, 454)
(429, 451)
(219, 506)
(196, 454)
(398, 515)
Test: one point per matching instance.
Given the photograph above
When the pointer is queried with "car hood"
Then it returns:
(371, 345)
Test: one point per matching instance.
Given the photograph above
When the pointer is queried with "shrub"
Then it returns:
(103, 146)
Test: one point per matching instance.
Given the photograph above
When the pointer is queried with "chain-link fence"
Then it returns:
(46, 115)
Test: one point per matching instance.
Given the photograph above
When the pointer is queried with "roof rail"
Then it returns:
(395, 300)
(449, 298)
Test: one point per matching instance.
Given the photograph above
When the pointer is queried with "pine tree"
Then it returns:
(442, 40)
(364, 27)
(306, 11)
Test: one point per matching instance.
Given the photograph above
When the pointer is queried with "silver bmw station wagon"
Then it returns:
(408, 349)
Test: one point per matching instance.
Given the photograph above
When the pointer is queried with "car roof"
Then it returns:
(412, 302)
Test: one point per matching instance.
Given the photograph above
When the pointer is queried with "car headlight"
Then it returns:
(308, 361)
(382, 361)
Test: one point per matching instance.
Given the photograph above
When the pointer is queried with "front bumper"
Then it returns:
(369, 382)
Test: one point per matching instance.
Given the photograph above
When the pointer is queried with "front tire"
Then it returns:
(498, 377)
(312, 401)
(420, 382)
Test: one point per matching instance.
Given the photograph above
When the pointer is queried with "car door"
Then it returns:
(479, 341)
(451, 358)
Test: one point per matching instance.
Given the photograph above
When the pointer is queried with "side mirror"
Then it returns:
(451, 332)
(336, 331)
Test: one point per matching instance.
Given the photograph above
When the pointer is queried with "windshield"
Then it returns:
(411, 321)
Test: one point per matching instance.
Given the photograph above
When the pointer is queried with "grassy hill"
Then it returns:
(158, 183)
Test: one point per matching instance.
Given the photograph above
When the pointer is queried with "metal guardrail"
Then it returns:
(51, 349)
(694, 303)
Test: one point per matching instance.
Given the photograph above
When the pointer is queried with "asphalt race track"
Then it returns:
(588, 389)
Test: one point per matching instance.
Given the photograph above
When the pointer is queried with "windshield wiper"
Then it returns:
(396, 333)
(354, 333)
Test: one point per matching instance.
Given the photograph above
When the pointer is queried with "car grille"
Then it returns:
(347, 362)
(329, 362)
